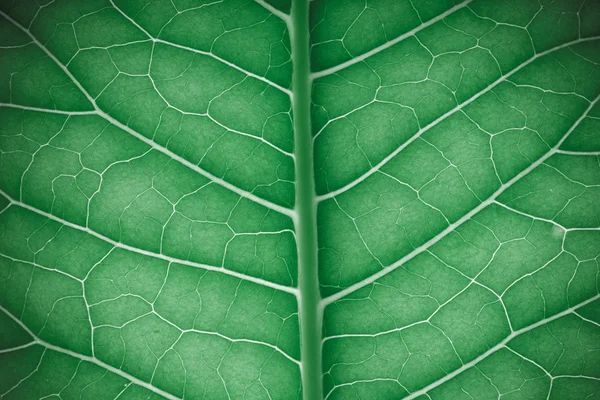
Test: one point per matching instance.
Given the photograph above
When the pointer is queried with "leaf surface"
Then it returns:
(168, 229)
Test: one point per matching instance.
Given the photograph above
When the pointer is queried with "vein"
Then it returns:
(441, 118)
(328, 300)
(378, 49)
(579, 153)
(230, 64)
(550, 221)
(499, 346)
(17, 348)
(89, 359)
(286, 18)
(232, 340)
(364, 381)
(120, 245)
(193, 330)
(205, 53)
(207, 115)
(46, 110)
(276, 207)
(77, 113)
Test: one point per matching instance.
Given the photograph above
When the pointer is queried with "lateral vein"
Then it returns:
(89, 359)
(499, 346)
(412, 32)
(123, 246)
(463, 219)
(266, 203)
(205, 53)
(156, 313)
(442, 117)
(47, 110)
(286, 18)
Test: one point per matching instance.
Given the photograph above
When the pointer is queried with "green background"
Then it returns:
(231, 199)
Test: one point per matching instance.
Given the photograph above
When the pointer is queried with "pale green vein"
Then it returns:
(206, 53)
(89, 359)
(460, 221)
(499, 346)
(283, 210)
(378, 49)
(441, 118)
(120, 245)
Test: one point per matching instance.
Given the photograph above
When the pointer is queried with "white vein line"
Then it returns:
(328, 300)
(123, 246)
(230, 64)
(286, 18)
(230, 339)
(159, 315)
(579, 153)
(550, 221)
(36, 265)
(205, 53)
(588, 320)
(276, 207)
(89, 359)
(593, 378)
(76, 113)
(445, 115)
(251, 341)
(46, 110)
(498, 347)
(521, 356)
(364, 381)
(17, 348)
(357, 59)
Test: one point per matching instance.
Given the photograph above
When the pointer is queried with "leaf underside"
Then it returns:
(147, 191)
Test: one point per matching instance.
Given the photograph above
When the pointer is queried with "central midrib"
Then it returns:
(305, 218)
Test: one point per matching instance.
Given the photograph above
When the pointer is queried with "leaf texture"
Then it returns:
(157, 204)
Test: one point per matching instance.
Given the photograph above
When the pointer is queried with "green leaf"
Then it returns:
(283, 199)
